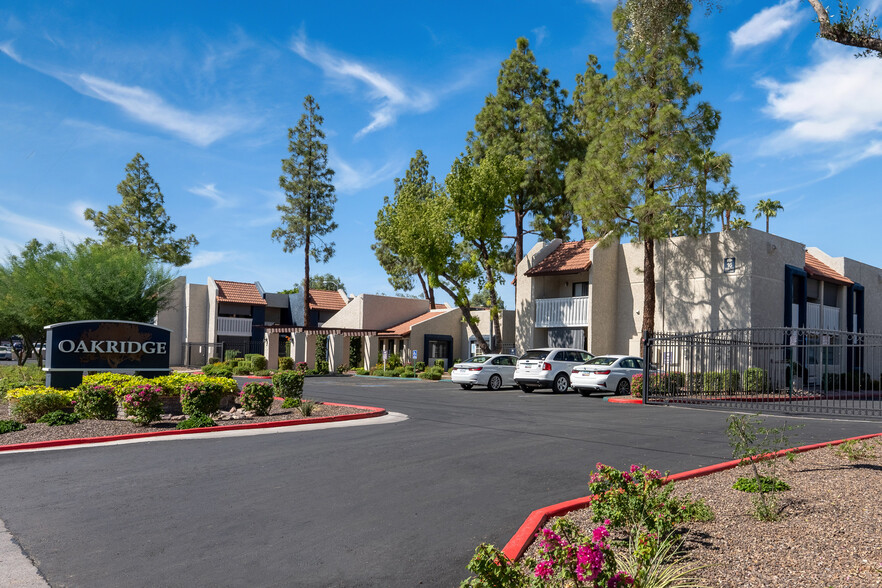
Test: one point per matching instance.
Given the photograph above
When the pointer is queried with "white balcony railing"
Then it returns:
(235, 327)
(562, 312)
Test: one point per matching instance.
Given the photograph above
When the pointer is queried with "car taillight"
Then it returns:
(603, 373)
(546, 367)
(477, 369)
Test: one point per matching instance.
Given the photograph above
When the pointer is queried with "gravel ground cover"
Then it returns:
(94, 428)
(830, 533)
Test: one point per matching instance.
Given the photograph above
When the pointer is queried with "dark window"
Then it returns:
(580, 288)
(831, 292)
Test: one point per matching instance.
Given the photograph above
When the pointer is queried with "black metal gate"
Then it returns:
(788, 370)
(197, 355)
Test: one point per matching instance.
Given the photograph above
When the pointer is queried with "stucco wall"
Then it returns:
(197, 313)
(382, 312)
(769, 255)
(211, 302)
(868, 276)
(448, 323)
(603, 299)
(526, 293)
(174, 318)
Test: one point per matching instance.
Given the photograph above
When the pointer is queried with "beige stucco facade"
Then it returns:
(732, 279)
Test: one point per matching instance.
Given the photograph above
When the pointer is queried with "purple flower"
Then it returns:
(544, 569)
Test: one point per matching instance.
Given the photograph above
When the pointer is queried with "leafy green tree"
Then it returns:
(739, 223)
(527, 118)
(308, 212)
(326, 282)
(478, 191)
(401, 270)
(44, 285)
(767, 208)
(420, 226)
(141, 221)
(725, 204)
(636, 175)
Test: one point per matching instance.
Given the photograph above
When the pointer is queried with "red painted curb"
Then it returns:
(375, 412)
(615, 400)
(524, 536)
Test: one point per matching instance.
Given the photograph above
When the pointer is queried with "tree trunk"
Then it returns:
(767, 223)
(306, 283)
(428, 291)
(467, 317)
(648, 286)
(494, 312)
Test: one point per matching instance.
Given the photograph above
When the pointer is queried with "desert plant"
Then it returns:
(197, 421)
(143, 404)
(856, 450)
(9, 426)
(286, 363)
(58, 418)
(257, 397)
(307, 407)
(289, 384)
(96, 401)
(755, 446)
(658, 563)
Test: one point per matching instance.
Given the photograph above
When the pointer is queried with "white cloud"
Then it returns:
(6, 48)
(208, 258)
(212, 193)
(21, 229)
(838, 98)
(767, 25)
(391, 98)
(350, 178)
(148, 107)
(540, 33)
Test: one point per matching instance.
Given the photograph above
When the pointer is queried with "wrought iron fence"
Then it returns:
(197, 354)
(767, 370)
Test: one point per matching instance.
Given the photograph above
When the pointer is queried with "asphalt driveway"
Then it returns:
(402, 504)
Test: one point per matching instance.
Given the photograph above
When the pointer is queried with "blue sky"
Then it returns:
(207, 92)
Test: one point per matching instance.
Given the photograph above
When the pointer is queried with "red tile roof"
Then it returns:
(326, 300)
(815, 269)
(569, 258)
(403, 330)
(239, 293)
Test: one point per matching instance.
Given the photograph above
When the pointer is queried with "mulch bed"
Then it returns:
(93, 428)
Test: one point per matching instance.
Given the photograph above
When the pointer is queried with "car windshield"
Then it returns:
(601, 361)
(535, 354)
(477, 359)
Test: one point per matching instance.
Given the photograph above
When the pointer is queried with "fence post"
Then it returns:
(647, 357)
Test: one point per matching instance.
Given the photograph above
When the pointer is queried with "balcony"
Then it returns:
(562, 312)
(233, 327)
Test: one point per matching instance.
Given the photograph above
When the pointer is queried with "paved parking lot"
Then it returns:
(402, 504)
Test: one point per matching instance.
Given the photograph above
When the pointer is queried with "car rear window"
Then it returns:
(477, 359)
(535, 354)
(601, 361)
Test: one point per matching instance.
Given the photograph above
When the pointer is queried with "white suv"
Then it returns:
(548, 368)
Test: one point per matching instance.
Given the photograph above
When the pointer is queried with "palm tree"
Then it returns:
(726, 203)
(712, 167)
(767, 208)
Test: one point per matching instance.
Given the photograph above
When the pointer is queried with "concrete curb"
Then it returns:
(616, 400)
(374, 412)
(524, 536)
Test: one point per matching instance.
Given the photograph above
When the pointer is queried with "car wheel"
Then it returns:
(583, 392)
(495, 382)
(525, 388)
(561, 383)
(624, 387)
(466, 386)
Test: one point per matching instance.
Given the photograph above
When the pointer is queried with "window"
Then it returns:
(812, 290)
(580, 288)
(831, 294)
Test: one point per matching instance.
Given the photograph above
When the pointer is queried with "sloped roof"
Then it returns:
(239, 293)
(403, 329)
(326, 300)
(821, 271)
(571, 257)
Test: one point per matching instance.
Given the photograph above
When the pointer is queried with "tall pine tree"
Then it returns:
(141, 221)
(636, 176)
(308, 211)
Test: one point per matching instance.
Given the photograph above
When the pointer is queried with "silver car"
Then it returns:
(606, 373)
(5, 352)
(493, 371)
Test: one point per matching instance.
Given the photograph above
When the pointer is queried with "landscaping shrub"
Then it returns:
(200, 397)
(755, 380)
(725, 381)
(263, 373)
(307, 407)
(291, 402)
(286, 363)
(57, 418)
(121, 383)
(173, 384)
(397, 371)
(8, 426)
(439, 363)
(302, 366)
(218, 370)
(241, 371)
(257, 397)
(288, 384)
(432, 373)
(30, 407)
(637, 386)
(420, 366)
(96, 401)
(393, 361)
(321, 348)
(695, 382)
(212, 360)
(196, 421)
(355, 351)
(14, 376)
(143, 404)
(342, 368)
(231, 354)
(321, 367)
(361, 371)
(258, 361)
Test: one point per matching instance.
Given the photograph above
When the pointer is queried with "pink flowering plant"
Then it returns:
(570, 558)
(201, 397)
(639, 500)
(257, 396)
(143, 404)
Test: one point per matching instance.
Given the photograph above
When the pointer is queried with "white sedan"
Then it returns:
(493, 371)
(606, 373)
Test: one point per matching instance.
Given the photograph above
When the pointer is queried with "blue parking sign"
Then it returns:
(414, 354)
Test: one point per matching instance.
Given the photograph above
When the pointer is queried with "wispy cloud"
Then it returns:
(391, 98)
(767, 25)
(352, 178)
(838, 98)
(209, 258)
(540, 34)
(9, 51)
(211, 192)
(21, 229)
